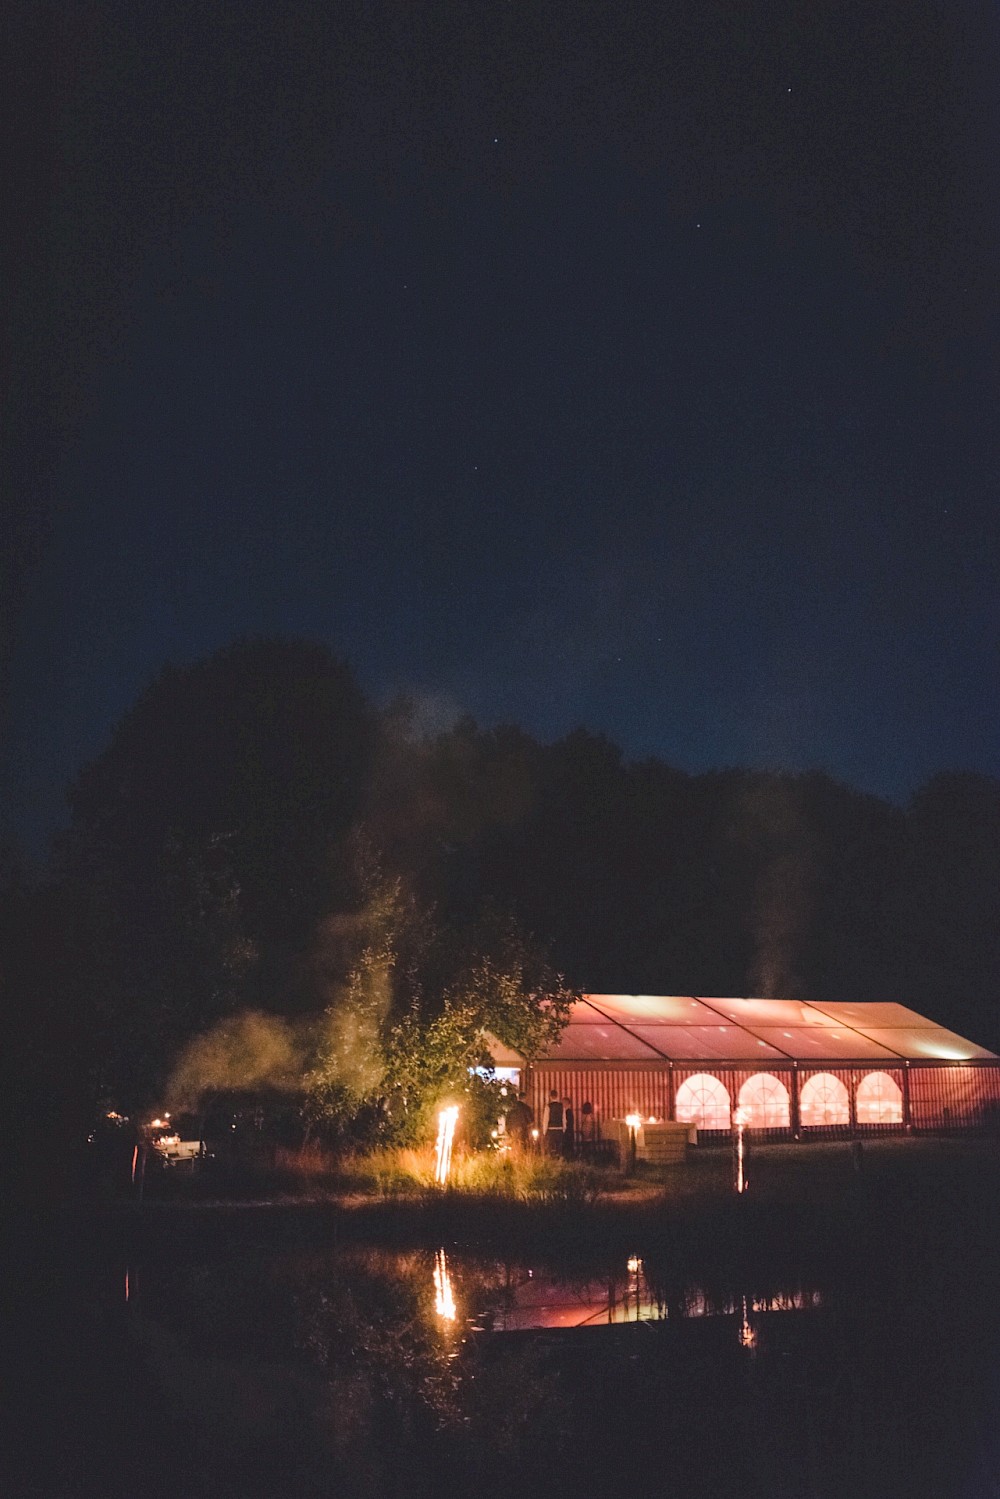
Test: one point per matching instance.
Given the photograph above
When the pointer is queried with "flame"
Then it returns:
(739, 1121)
(445, 1136)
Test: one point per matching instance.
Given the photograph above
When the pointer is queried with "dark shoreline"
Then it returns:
(812, 1203)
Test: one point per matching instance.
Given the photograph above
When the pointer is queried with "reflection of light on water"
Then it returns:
(445, 1136)
(544, 1302)
(444, 1300)
(695, 1304)
(747, 1335)
(635, 1287)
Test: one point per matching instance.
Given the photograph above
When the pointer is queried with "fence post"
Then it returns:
(907, 1118)
(671, 1091)
(852, 1104)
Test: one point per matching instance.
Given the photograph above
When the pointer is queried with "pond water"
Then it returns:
(432, 1368)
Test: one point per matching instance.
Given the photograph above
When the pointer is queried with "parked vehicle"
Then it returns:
(177, 1143)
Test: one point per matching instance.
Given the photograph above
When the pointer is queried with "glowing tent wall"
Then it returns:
(798, 1070)
(865, 1100)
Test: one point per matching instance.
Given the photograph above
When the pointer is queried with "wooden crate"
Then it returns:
(660, 1143)
(665, 1142)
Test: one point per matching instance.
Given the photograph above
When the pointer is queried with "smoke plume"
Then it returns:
(245, 1052)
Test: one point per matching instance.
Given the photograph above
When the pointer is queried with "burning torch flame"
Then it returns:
(444, 1300)
(446, 1134)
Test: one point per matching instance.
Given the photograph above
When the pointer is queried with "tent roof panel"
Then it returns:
(932, 1043)
(586, 1012)
(684, 1028)
(655, 1009)
(878, 1013)
(754, 1012)
(600, 1043)
(823, 1043)
(707, 1043)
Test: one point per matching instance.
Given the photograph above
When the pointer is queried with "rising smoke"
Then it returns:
(247, 1051)
(351, 971)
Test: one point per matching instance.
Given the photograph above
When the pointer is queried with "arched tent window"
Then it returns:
(704, 1101)
(764, 1099)
(824, 1101)
(879, 1100)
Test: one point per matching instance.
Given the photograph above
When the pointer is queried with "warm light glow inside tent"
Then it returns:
(704, 1101)
(792, 1067)
(764, 1101)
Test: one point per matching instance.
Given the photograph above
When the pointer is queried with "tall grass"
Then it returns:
(514, 1175)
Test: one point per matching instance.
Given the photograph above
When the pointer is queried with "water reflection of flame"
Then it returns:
(444, 1300)
(747, 1334)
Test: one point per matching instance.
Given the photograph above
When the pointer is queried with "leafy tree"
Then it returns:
(429, 1061)
(413, 1021)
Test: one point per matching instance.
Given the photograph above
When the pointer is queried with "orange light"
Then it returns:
(739, 1120)
(447, 1120)
(444, 1299)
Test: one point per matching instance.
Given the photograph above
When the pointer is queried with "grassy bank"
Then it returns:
(807, 1198)
(818, 1172)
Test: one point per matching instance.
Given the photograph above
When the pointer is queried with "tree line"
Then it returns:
(258, 838)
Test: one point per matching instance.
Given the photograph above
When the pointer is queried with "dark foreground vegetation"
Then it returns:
(833, 1334)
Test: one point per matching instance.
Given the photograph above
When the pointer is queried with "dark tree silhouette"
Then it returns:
(206, 842)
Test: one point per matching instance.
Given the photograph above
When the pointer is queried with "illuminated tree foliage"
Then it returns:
(411, 1026)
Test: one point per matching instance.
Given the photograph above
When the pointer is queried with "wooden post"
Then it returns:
(907, 1118)
(852, 1105)
(671, 1091)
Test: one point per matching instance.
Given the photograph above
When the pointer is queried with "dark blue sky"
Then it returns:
(630, 370)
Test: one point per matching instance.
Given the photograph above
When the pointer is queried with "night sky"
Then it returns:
(633, 366)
